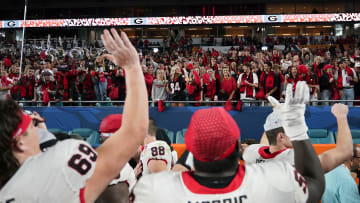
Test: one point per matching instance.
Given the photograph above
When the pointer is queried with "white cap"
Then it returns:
(272, 122)
(357, 65)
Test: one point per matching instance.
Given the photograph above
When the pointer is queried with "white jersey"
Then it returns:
(258, 153)
(126, 175)
(271, 182)
(57, 175)
(158, 150)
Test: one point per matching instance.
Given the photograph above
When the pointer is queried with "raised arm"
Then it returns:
(115, 152)
(306, 160)
(344, 144)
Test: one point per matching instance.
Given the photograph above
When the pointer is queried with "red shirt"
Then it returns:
(228, 85)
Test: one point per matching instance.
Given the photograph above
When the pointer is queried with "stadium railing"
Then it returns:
(244, 101)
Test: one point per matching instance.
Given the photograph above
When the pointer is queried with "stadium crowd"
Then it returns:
(286, 168)
(181, 71)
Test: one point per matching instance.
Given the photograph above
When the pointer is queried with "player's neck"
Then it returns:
(22, 156)
(275, 148)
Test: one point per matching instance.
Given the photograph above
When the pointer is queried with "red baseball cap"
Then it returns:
(212, 134)
(110, 124)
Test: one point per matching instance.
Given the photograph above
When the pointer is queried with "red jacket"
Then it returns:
(25, 90)
(267, 81)
(210, 86)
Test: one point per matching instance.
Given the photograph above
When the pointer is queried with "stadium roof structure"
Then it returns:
(135, 3)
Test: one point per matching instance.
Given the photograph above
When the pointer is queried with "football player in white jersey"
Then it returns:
(119, 188)
(156, 155)
(72, 171)
(280, 147)
(213, 139)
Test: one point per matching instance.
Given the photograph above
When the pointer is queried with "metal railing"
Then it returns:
(217, 103)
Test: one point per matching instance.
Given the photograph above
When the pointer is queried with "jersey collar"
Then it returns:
(193, 186)
(265, 155)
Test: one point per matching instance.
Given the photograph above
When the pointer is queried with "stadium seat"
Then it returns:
(356, 136)
(321, 136)
(94, 138)
(180, 135)
(170, 134)
(59, 104)
(83, 132)
(56, 130)
(107, 103)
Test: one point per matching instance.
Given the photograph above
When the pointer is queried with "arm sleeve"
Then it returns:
(256, 80)
(287, 180)
(80, 162)
(239, 79)
(354, 73)
(250, 154)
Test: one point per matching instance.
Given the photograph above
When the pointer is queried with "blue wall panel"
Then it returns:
(250, 120)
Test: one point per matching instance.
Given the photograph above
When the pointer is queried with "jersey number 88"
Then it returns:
(158, 151)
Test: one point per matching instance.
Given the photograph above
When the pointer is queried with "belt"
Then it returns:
(348, 87)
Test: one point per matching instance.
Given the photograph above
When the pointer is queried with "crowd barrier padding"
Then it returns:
(250, 119)
(319, 148)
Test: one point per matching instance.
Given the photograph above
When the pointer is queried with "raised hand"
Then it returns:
(339, 110)
(122, 52)
(291, 113)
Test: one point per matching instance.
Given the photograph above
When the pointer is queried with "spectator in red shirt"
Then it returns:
(313, 82)
(275, 57)
(193, 87)
(72, 78)
(7, 62)
(5, 85)
(227, 85)
(149, 77)
(293, 77)
(209, 85)
(268, 81)
(88, 92)
(14, 76)
(316, 67)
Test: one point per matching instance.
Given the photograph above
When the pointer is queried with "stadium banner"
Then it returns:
(184, 20)
(250, 119)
